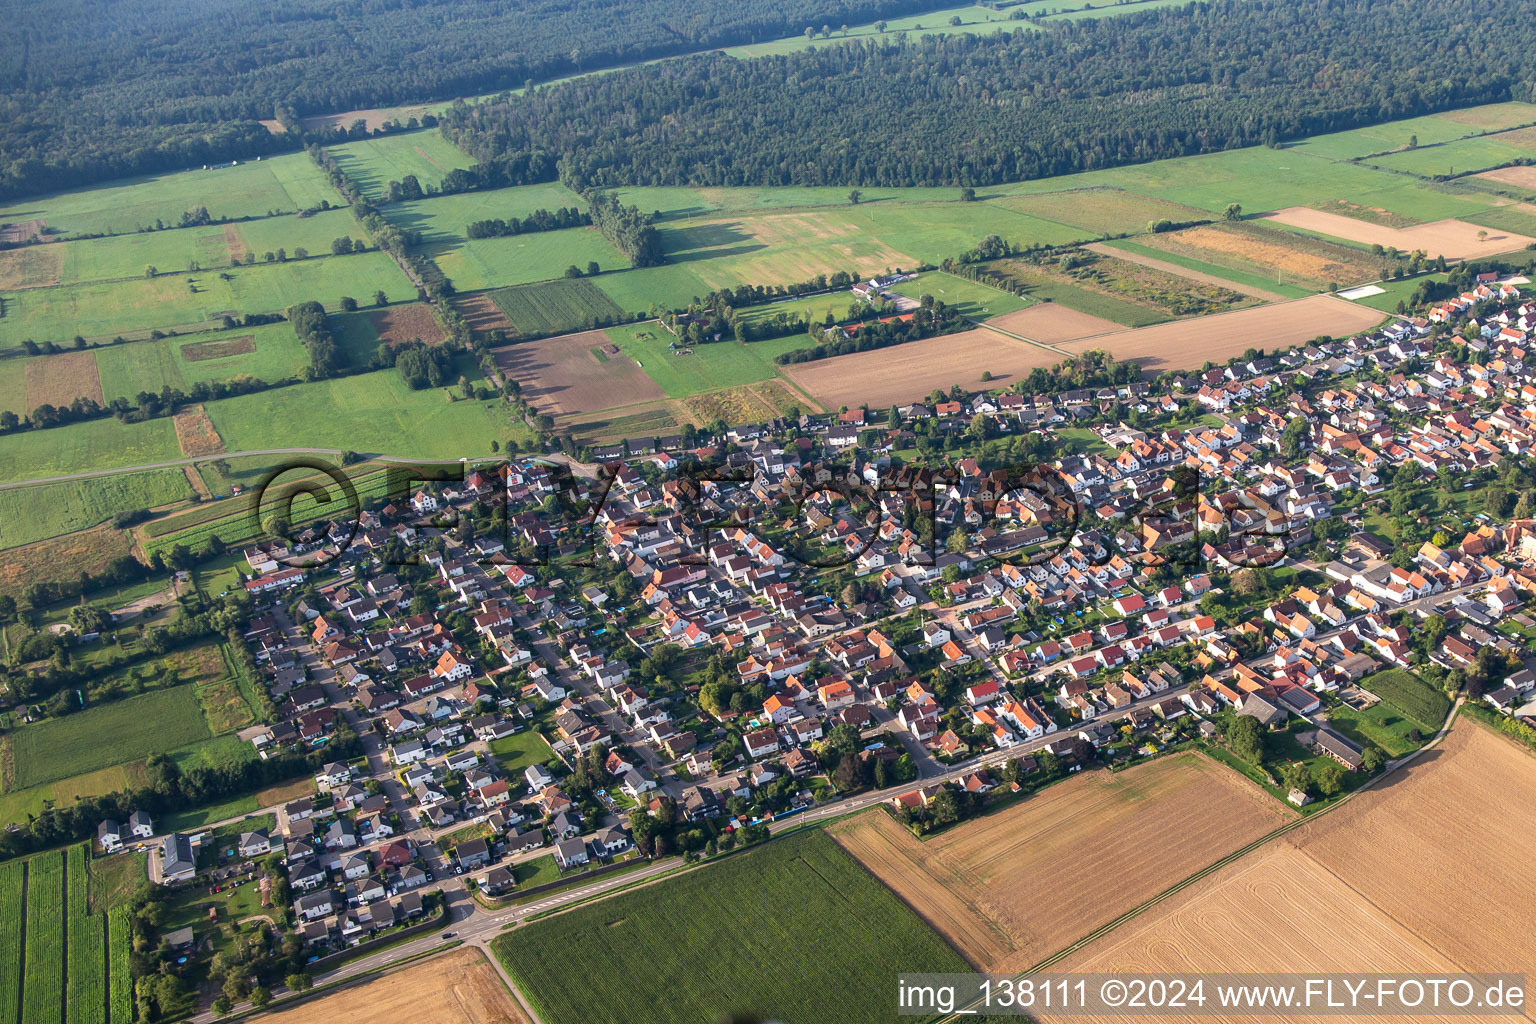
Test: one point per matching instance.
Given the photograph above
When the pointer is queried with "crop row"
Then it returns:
(11, 886)
(87, 977)
(120, 945)
(43, 994)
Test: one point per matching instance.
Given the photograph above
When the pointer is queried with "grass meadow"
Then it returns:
(473, 264)
(102, 310)
(368, 412)
(721, 364)
(253, 188)
(446, 218)
(1430, 130)
(1461, 156)
(30, 514)
(87, 446)
(108, 735)
(794, 930)
(373, 163)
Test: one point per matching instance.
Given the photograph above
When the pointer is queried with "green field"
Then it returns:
(794, 931)
(42, 998)
(720, 364)
(28, 514)
(81, 447)
(473, 264)
(108, 735)
(209, 247)
(445, 218)
(185, 360)
(555, 307)
(12, 886)
(518, 751)
(373, 163)
(1420, 703)
(86, 991)
(101, 310)
(120, 983)
(369, 412)
(972, 298)
(1429, 131)
(16, 805)
(1379, 725)
(1393, 292)
(253, 188)
(671, 286)
(1458, 157)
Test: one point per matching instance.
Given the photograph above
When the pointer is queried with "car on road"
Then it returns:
(449, 935)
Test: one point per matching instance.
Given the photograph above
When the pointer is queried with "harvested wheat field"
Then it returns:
(414, 320)
(905, 373)
(59, 380)
(1453, 239)
(1186, 344)
(1398, 879)
(33, 266)
(460, 987)
(1015, 886)
(1521, 177)
(1051, 322)
(561, 376)
(196, 433)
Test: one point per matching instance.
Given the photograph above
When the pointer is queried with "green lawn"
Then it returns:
(1381, 725)
(537, 871)
(794, 931)
(518, 751)
(671, 286)
(108, 735)
(1394, 292)
(253, 188)
(373, 163)
(1420, 703)
(102, 310)
(1083, 441)
(29, 514)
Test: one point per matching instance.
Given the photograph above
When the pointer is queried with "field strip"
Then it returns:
(1104, 249)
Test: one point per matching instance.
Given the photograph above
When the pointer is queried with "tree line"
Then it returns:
(538, 220)
(630, 231)
(97, 93)
(974, 110)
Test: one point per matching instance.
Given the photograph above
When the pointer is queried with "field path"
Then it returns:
(1178, 271)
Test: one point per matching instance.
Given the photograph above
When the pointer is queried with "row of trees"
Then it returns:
(538, 220)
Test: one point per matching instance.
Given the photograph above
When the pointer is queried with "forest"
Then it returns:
(92, 91)
(977, 110)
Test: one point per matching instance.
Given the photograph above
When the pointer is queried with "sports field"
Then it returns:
(983, 884)
(1355, 889)
(101, 310)
(793, 931)
(253, 188)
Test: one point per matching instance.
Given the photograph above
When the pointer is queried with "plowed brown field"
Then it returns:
(1050, 322)
(561, 376)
